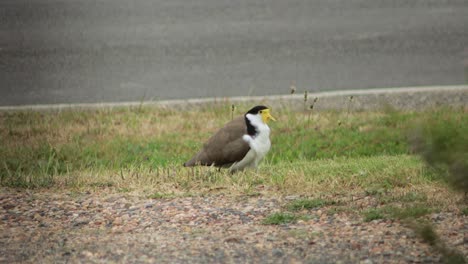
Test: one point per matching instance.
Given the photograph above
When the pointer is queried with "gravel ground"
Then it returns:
(58, 227)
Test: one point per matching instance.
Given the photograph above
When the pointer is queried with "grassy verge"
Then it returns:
(330, 159)
(142, 149)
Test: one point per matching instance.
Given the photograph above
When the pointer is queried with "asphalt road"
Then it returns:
(62, 51)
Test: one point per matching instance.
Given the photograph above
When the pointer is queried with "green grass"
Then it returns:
(143, 148)
(464, 211)
(373, 214)
(380, 155)
(302, 204)
(279, 219)
(414, 211)
(408, 211)
(158, 195)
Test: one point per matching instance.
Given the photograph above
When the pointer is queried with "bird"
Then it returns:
(242, 143)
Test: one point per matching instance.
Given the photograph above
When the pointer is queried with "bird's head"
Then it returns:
(263, 112)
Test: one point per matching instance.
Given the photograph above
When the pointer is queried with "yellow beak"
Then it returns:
(266, 116)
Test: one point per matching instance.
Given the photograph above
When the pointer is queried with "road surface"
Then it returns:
(83, 51)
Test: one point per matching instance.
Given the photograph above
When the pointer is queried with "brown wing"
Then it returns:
(225, 147)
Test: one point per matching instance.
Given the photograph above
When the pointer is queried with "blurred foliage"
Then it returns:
(442, 141)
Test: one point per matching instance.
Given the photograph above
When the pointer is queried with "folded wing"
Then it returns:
(225, 147)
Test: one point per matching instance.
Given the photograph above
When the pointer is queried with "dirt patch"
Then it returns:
(47, 226)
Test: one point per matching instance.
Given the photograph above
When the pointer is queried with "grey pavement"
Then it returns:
(83, 51)
(401, 98)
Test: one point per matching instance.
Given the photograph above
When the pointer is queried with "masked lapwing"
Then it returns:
(240, 144)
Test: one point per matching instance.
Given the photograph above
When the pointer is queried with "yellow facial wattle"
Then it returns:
(266, 116)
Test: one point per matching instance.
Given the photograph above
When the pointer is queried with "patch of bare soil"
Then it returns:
(46, 227)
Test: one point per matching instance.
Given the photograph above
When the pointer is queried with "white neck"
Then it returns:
(263, 131)
(262, 128)
(259, 144)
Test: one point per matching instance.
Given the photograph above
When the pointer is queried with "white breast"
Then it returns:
(259, 145)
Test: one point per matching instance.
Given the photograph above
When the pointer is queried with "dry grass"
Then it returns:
(359, 163)
(395, 177)
(139, 150)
